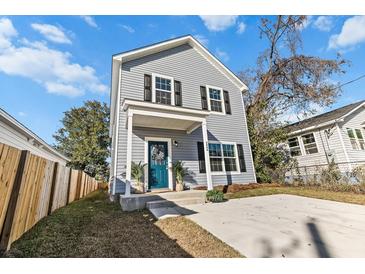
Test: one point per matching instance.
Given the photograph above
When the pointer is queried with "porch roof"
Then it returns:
(153, 115)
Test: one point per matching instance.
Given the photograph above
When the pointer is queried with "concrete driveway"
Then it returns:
(286, 226)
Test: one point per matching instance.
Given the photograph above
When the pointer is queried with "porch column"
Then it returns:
(206, 155)
(129, 154)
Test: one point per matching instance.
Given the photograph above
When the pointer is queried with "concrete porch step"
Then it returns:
(175, 202)
(182, 194)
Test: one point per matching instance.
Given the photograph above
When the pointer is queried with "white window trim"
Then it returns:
(315, 141)
(224, 172)
(154, 75)
(300, 147)
(222, 100)
(355, 138)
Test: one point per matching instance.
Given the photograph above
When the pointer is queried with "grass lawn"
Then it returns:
(313, 192)
(95, 227)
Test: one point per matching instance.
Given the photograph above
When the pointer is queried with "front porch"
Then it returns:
(145, 117)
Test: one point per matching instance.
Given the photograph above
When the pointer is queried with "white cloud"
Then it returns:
(202, 39)
(306, 22)
(52, 33)
(293, 116)
(323, 23)
(352, 33)
(222, 55)
(6, 32)
(128, 28)
(90, 21)
(241, 27)
(22, 114)
(51, 68)
(218, 22)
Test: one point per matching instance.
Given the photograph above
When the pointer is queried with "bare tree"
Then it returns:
(284, 80)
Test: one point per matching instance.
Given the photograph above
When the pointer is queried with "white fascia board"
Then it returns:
(127, 103)
(311, 128)
(352, 111)
(17, 126)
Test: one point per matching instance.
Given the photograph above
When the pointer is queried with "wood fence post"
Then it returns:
(53, 186)
(69, 186)
(10, 212)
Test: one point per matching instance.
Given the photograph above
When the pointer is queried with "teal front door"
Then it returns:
(157, 165)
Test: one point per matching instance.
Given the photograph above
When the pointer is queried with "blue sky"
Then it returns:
(49, 64)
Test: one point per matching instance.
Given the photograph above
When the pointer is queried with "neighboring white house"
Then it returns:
(15, 134)
(337, 135)
(175, 101)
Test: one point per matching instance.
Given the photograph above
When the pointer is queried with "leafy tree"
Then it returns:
(84, 138)
(284, 80)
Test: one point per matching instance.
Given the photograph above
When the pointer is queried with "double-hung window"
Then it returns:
(294, 147)
(309, 143)
(356, 139)
(215, 102)
(163, 92)
(223, 157)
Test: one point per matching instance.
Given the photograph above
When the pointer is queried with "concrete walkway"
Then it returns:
(286, 226)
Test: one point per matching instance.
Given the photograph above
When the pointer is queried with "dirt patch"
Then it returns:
(96, 227)
(233, 188)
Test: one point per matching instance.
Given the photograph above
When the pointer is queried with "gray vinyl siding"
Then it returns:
(186, 65)
(355, 121)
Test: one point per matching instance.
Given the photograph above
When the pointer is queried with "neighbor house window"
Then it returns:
(163, 89)
(223, 157)
(360, 139)
(309, 143)
(215, 99)
(356, 139)
(294, 147)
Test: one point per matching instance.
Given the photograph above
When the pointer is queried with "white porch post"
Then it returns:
(129, 154)
(206, 155)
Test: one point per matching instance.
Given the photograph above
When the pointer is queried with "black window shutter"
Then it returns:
(147, 88)
(201, 157)
(203, 95)
(241, 158)
(227, 104)
(178, 95)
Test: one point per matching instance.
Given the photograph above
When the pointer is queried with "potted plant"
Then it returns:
(137, 171)
(180, 172)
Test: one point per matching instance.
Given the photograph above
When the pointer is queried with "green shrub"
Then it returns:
(215, 196)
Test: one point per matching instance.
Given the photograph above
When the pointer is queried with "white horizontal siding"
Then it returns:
(355, 121)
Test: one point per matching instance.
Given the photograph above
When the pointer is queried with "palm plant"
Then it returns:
(180, 172)
(137, 171)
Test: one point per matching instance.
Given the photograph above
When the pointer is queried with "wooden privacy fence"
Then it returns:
(32, 187)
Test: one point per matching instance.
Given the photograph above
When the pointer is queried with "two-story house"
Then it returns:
(175, 101)
(337, 135)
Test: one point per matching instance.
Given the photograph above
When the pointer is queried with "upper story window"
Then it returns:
(294, 147)
(309, 143)
(356, 138)
(163, 89)
(223, 157)
(215, 99)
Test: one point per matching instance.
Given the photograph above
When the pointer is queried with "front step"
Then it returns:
(175, 202)
(182, 194)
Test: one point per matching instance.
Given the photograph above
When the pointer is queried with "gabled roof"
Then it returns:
(126, 56)
(175, 42)
(326, 118)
